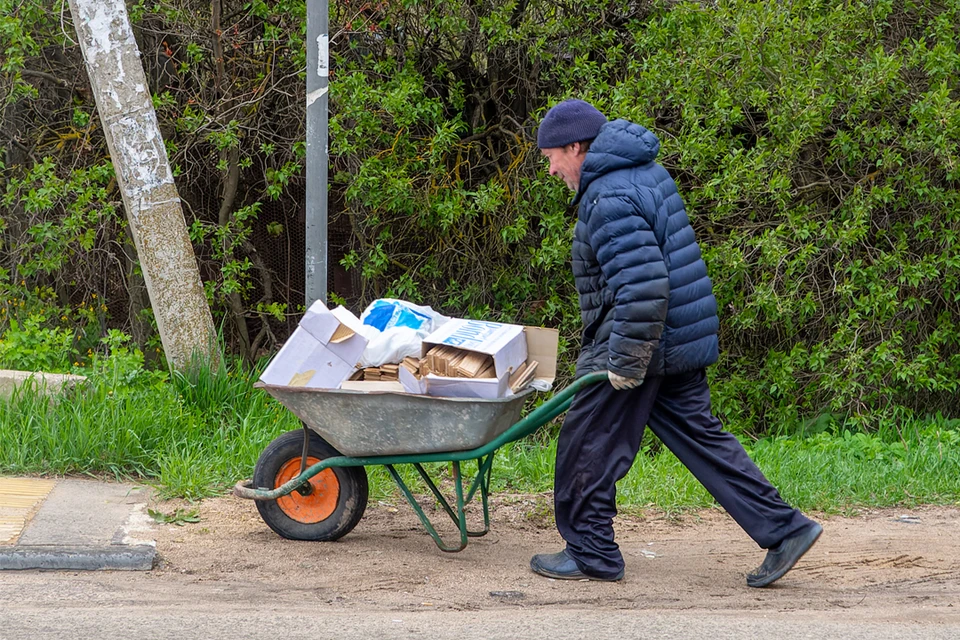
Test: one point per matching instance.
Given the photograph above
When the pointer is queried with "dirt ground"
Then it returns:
(877, 565)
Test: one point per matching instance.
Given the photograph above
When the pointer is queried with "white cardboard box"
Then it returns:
(509, 345)
(321, 353)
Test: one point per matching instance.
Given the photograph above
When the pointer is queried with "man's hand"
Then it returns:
(620, 382)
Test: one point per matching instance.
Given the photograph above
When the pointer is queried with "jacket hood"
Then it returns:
(620, 144)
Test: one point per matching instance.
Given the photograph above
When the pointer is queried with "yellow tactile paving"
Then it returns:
(19, 499)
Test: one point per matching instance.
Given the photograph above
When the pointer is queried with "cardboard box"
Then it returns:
(509, 345)
(321, 353)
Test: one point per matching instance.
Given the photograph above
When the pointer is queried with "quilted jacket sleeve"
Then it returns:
(633, 267)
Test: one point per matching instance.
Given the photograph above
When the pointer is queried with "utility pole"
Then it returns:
(143, 173)
(318, 71)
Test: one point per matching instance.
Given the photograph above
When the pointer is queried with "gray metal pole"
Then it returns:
(318, 66)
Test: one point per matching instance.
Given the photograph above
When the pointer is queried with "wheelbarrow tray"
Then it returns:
(363, 424)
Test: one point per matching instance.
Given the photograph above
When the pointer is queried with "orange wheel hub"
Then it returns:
(323, 497)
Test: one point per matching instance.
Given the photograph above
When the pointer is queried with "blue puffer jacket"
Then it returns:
(647, 304)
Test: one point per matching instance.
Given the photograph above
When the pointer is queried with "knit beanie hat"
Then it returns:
(568, 122)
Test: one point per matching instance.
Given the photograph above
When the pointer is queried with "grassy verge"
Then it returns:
(195, 437)
(191, 437)
(826, 472)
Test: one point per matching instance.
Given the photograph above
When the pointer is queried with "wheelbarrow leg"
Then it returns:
(436, 490)
(482, 481)
(423, 517)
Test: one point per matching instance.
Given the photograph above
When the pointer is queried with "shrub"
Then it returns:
(815, 142)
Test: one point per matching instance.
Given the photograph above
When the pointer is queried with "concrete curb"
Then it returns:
(83, 558)
(81, 525)
(48, 383)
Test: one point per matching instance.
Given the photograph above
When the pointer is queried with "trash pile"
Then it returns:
(397, 346)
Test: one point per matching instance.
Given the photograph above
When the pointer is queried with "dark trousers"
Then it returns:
(600, 439)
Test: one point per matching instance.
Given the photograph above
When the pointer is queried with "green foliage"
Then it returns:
(192, 436)
(815, 143)
(37, 334)
(34, 347)
(817, 148)
(444, 188)
(223, 94)
(118, 364)
(65, 215)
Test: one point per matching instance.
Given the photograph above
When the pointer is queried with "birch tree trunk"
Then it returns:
(143, 173)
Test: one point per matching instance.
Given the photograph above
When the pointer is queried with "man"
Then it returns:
(650, 320)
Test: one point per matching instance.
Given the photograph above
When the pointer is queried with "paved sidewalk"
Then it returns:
(73, 524)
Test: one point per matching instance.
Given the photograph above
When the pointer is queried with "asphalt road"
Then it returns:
(36, 606)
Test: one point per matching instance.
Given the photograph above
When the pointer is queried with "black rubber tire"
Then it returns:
(351, 503)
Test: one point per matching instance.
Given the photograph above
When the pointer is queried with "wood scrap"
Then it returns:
(451, 362)
(342, 333)
(471, 365)
(412, 365)
(523, 376)
(515, 376)
(489, 371)
(388, 372)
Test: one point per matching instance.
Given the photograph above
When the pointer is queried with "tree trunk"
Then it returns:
(143, 172)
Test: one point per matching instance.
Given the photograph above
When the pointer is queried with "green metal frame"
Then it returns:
(540, 416)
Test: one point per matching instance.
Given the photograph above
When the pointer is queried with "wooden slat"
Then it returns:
(525, 377)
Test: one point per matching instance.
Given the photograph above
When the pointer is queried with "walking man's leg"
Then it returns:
(597, 445)
(683, 420)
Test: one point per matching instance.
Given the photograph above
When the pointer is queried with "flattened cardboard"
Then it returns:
(542, 346)
(339, 329)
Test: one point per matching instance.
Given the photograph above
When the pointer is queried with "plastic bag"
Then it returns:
(395, 329)
(387, 313)
(391, 346)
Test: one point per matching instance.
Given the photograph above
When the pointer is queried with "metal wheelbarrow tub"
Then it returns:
(385, 424)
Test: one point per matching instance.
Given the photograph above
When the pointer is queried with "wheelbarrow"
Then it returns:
(310, 484)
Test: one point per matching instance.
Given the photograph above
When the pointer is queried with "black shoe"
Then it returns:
(563, 567)
(781, 558)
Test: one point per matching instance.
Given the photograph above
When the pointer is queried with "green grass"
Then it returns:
(192, 437)
(826, 472)
(196, 436)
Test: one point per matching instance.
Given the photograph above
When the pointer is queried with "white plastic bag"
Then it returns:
(396, 329)
(390, 346)
(387, 313)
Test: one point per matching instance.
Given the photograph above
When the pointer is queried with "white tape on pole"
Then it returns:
(323, 57)
(313, 96)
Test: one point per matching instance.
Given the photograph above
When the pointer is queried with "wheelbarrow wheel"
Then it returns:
(336, 499)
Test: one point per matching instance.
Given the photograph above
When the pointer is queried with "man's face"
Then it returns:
(566, 162)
